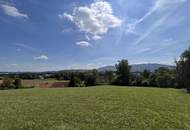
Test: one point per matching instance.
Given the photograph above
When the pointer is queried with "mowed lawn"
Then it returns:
(95, 108)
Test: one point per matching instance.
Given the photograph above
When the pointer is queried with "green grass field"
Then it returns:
(95, 108)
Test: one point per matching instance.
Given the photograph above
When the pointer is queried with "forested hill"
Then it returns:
(138, 67)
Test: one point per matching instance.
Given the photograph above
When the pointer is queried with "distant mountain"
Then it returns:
(107, 68)
(135, 68)
(150, 67)
(138, 67)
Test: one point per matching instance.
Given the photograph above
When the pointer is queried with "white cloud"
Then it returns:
(65, 15)
(96, 37)
(95, 19)
(158, 6)
(42, 57)
(83, 43)
(13, 11)
(87, 37)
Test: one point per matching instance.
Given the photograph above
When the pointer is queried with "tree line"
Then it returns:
(162, 77)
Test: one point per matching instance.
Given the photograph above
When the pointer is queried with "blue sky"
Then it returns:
(40, 35)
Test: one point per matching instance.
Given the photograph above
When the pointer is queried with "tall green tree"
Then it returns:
(72, 80)
(123, 72)
(91, 78)
(146, 74)
(183, 69)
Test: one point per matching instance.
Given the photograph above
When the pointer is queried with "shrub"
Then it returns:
(7, 84)
(18, 83)
(90, 80)
(76, 82)
(137, 81)
(145, 83)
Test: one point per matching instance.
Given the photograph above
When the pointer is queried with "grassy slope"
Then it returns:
(117, 108)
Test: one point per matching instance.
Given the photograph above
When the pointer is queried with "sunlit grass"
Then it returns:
(95, 108)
